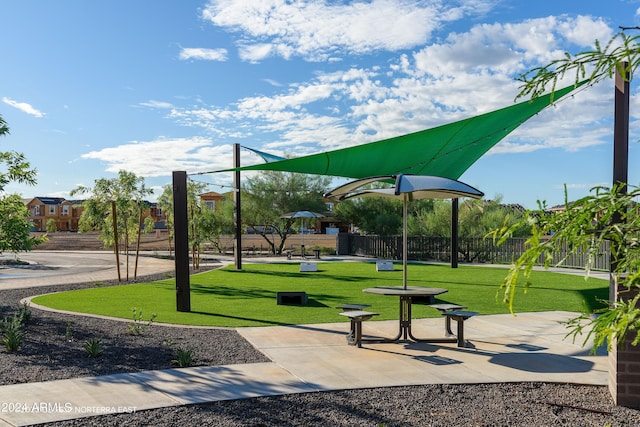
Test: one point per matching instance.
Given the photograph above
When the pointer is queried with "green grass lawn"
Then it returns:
(227, 297)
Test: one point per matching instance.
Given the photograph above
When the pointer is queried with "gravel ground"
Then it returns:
(53, 349)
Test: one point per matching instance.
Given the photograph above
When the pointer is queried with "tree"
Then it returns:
(271, 194)
(205, 224)
(14, 216)
(476, 218)
(588, 223)
(116, 209)
(608, 215)
(51, 226)
(375, 215)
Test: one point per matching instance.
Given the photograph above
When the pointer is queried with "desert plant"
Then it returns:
(68, 334)
(13, 334)
(24, 313)
(184, 358)
(93, 347)
(139, 326)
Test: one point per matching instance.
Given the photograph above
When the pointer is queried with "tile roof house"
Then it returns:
(66, 213)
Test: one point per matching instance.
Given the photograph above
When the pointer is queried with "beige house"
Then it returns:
(66, 213)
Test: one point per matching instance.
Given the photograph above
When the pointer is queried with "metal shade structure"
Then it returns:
(407, 188)
(302, 214)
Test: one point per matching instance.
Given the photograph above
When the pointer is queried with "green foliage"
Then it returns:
(115, 209)
(68, 333)
(270, 194)
(24, 313)
(12, 332)
(594, 65)
(585, 226)
(93, 347)
(15, 228)
(205, 225)
(605, 216)
(375, 215)
(476, 218)
(4, 129)
(14, 216)
(51, 226)
(16, 168)
(139, 326)
(184, 358)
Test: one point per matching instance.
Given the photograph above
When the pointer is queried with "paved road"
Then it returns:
(48, 268)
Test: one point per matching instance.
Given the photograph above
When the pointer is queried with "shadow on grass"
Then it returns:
(295, 275)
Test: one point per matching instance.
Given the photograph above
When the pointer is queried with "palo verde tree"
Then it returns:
(606, 216)
(205, 224)
(116, 208)
(271, 194)
(14, 215)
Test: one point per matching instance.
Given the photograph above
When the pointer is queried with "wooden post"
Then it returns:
(114, 215)
(237, 218)
(181, 236)
(624, 359)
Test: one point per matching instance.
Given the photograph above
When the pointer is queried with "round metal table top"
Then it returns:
(409, 291)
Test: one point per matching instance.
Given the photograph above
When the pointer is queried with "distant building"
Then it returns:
(211, 199)
(66, 213)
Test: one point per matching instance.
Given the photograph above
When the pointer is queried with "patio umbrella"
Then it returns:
(407, 188)
(304, 215)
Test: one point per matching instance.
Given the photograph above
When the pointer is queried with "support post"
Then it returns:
(454, 233)
(624, 358)
(181, 236)
(237, 218)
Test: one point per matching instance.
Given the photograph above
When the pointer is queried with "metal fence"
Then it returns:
(478, 250)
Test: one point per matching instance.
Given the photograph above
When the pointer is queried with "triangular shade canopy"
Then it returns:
(446, 151)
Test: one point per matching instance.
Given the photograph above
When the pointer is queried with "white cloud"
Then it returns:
(160, 157)
(203, 54)
(156, 104)
(24, 107)
(464, 75)
(319, 30)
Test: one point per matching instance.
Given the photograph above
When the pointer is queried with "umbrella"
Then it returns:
(407, 187)
(302, 214)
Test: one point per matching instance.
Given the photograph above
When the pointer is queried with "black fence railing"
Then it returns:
(478, 250)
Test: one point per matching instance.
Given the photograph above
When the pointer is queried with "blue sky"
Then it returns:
(90, 88)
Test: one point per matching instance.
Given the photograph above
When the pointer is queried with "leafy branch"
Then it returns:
(585, 227)
(593, 65)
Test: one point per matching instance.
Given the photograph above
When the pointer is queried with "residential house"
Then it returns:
(66, 213)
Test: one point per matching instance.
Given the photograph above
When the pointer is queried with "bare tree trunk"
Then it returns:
(135, 271)
(115, 237)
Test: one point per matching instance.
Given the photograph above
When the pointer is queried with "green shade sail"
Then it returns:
(446, 151)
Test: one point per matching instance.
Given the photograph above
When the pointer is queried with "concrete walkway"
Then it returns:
(304, 358)
(503, 348)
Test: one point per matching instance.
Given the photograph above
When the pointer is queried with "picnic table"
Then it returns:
(406, 296)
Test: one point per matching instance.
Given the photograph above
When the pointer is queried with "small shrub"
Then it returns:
(168, 342)
(93, 347)
(68, 334)
(184, 358)
(24, 313)
(139, 326)
(13, 334)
